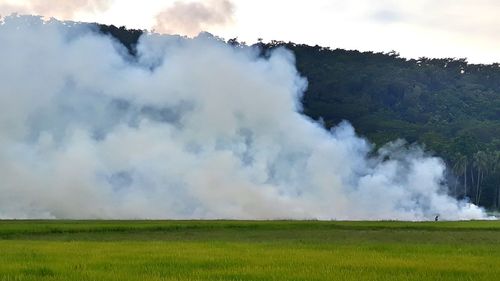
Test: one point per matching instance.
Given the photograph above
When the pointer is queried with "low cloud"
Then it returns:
(458, 16)
(61, 9)
(387, 16)
(193, 17)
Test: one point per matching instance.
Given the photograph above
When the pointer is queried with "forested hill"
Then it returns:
(448, 105)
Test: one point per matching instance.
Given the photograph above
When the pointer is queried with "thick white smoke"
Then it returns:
(191, 129)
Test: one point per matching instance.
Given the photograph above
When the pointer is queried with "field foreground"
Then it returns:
(249, 250)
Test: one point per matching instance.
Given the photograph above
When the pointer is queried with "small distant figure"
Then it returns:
(436, 218)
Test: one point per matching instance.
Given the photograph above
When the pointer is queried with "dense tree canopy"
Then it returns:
(449, 106)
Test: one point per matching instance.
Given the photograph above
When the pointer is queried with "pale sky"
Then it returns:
(414, 28)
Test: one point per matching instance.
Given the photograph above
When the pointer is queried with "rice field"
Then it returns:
(249, 250)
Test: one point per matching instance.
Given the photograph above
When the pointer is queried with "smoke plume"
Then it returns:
(193, 17)
(192, 128)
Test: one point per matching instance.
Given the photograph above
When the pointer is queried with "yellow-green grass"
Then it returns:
(249, 250)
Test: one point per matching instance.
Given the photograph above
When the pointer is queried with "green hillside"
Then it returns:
(450, 107)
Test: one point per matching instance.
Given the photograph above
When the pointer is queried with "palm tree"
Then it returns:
(460, 167)
(495, 167)
(481, 163)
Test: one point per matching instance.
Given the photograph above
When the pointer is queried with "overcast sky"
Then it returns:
(414, 28)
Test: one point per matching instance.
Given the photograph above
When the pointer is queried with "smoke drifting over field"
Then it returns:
(191, 129)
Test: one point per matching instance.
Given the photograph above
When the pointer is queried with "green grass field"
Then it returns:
(249, 250)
